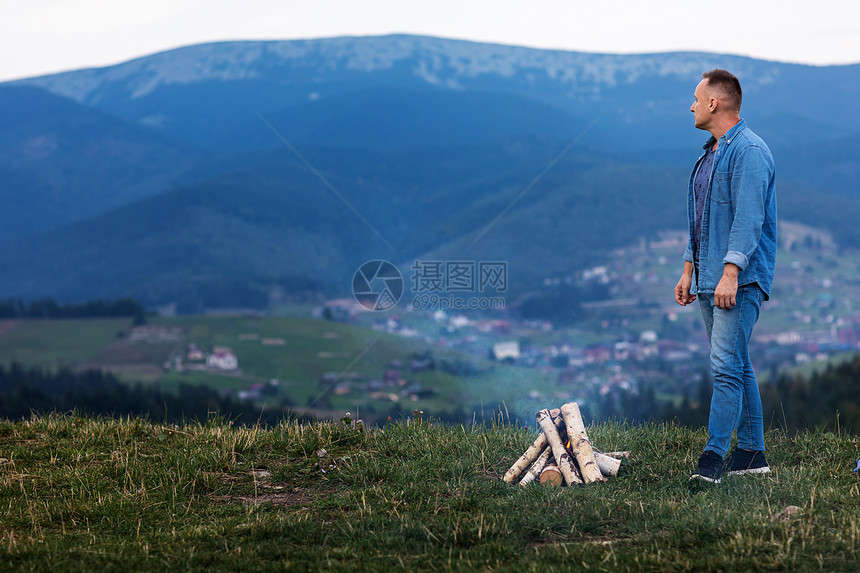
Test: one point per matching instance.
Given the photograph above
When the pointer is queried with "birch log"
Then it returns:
(624, 454)
(579, 444)
(608, 465)
(562, 458)
(537, 467)
(551, 476)
(532, 453)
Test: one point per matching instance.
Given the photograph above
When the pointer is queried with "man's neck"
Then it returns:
(720, 128)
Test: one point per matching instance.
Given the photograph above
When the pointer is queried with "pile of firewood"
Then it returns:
(562, 453)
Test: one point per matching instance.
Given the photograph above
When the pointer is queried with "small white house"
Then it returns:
(504, 350)
(648, 336)
(222, 358)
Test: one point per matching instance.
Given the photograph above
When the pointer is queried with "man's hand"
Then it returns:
(682, 290)
(727, 289)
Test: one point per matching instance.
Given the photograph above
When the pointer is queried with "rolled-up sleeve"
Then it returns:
(688, 252)
(736, 258)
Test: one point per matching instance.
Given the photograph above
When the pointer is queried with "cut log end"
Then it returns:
(551, 476)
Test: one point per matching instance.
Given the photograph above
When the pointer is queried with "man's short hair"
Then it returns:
(728, 84)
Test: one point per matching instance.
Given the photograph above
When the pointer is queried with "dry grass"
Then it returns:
(86, 494)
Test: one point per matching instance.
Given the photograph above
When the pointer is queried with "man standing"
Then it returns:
(728, 264)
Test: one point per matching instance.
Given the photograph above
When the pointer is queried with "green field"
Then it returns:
(54, 343)
(84, 494)
(297, 352)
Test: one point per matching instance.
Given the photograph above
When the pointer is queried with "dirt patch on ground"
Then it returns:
(7, 325)
(282, 499)
(266, 492)
(555, 539)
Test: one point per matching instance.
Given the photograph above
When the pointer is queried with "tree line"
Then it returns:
(25, 391)
(50, 308)
(829, 399)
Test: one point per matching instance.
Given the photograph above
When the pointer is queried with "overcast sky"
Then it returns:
(43, 36)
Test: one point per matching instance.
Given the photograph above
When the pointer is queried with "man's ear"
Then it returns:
(712, 104)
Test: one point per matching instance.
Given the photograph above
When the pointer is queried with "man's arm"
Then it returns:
(682, 290)
(750, 179)
(725, 295)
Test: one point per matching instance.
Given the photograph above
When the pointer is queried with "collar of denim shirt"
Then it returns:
(727, 136)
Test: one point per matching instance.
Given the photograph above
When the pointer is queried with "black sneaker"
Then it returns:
(742, 462)
(710, 467)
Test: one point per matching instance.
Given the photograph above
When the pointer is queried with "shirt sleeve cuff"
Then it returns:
(688, 255)
(736, 258)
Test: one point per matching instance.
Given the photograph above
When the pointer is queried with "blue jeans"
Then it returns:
(735, 403)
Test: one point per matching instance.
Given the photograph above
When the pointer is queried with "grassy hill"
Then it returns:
(297, 352)
(79, 494)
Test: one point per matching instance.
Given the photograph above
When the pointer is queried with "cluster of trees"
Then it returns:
(828, 399)
(49, 308)
(24, 391)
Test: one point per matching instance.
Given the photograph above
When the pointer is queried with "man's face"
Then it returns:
(701, 105)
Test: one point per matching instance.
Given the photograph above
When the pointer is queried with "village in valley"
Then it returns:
(633, 336)
(638, 335)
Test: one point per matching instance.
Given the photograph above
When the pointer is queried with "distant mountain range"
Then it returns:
(216, 174)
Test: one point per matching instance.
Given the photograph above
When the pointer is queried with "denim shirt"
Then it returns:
(739, 218)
